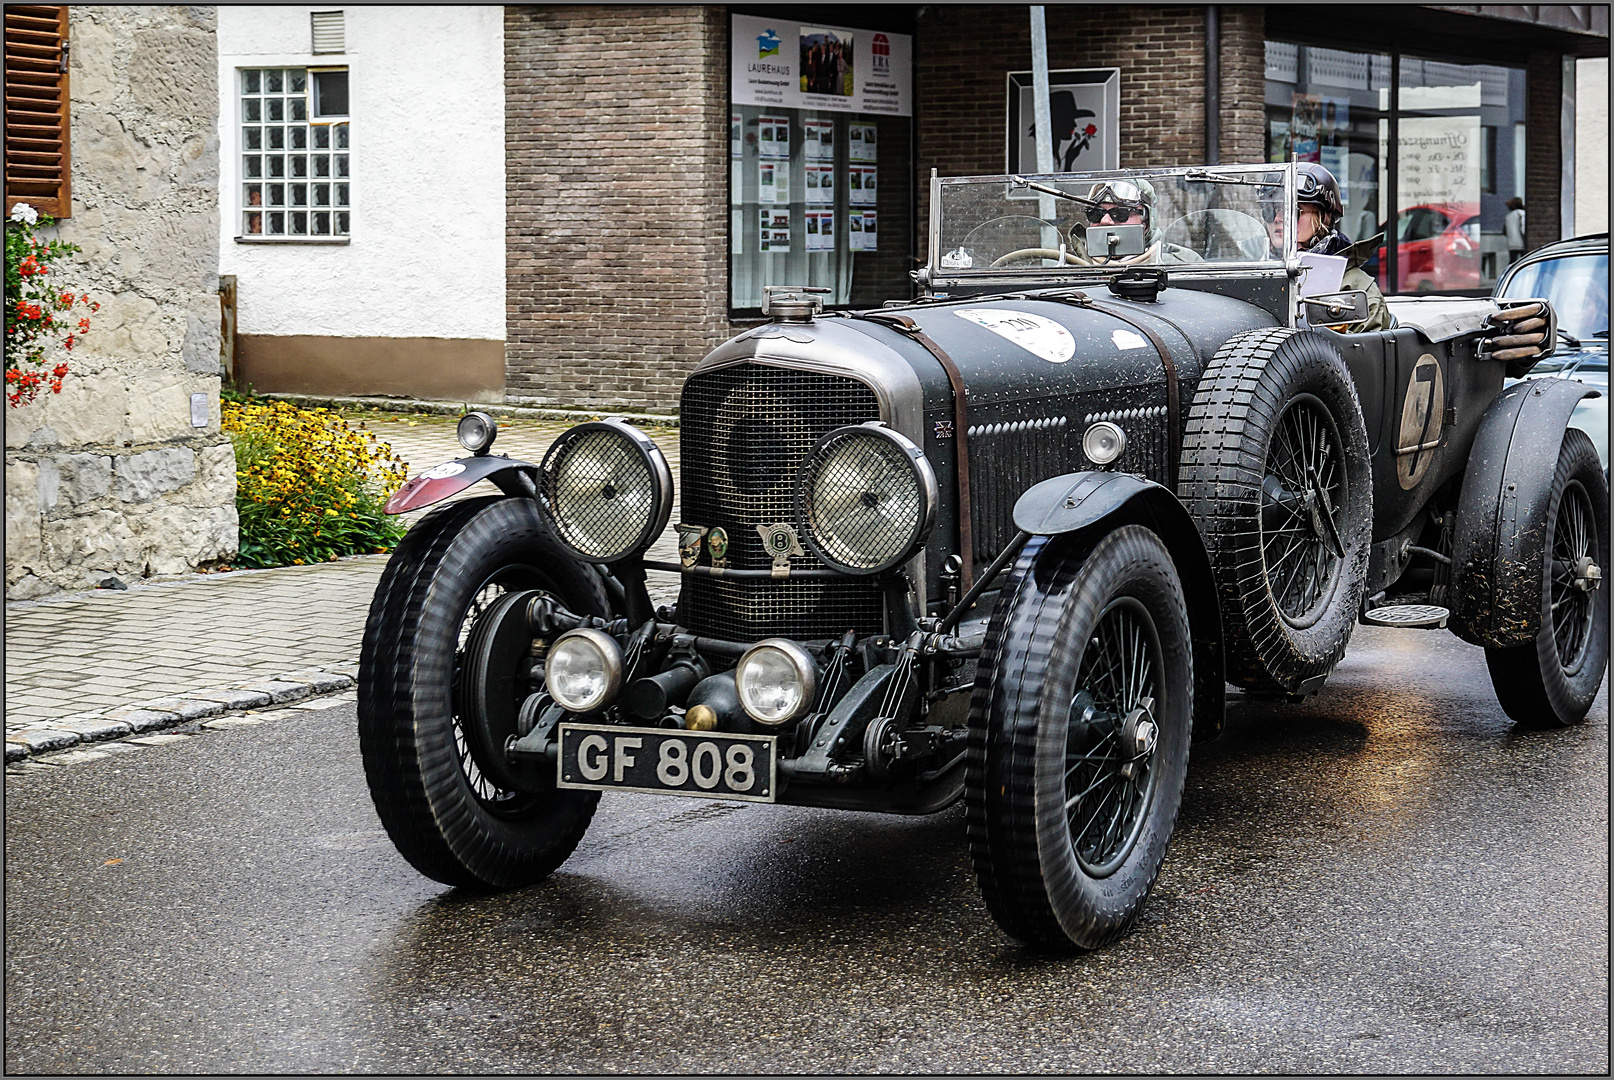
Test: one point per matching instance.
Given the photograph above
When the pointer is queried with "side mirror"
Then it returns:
(1330, 309)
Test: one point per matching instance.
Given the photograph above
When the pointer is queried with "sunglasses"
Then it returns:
(1307, 186)
(1096, 214)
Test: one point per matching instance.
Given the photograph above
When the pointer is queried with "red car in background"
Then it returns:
(1439, 248)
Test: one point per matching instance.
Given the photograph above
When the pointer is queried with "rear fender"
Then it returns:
(1502, 512)
(1085, 506)
(452, 477)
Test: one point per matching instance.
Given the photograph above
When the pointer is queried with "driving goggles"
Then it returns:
(1096, 214)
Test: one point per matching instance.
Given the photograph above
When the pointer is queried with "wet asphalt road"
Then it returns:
(1387, 879)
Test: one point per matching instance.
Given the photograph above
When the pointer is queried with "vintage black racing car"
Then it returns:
(1006, 542)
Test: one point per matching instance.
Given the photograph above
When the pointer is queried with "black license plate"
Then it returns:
(597, 757)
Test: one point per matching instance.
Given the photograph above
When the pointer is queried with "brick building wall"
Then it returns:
(616, 133)
(1243, 64)
(963, 53)
(1543, 153)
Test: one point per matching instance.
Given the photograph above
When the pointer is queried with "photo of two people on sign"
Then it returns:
(826, 62)
(1072, 129)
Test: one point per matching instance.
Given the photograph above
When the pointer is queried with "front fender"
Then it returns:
(452, 477)
(1502, 512)
(1086, 505)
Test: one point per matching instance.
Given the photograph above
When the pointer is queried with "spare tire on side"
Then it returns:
(1275, 472)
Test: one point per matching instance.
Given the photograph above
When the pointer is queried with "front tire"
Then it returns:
(445, 814)
(1071, 797)
(1551, 681)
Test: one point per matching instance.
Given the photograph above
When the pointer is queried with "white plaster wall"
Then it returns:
(426, 96)
(1591, 145)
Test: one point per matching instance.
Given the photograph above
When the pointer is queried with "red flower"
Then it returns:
(1091, 130)
(84, 326)
(29, 267)
(59, 371)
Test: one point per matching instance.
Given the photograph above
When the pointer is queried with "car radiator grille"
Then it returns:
(743, 433)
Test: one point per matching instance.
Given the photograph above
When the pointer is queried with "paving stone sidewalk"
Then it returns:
(86, 666)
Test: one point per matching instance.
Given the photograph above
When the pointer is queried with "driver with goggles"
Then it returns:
(1127, 202)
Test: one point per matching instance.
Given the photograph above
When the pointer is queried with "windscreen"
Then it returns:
(1226, 216)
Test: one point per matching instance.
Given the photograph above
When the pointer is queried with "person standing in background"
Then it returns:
(1513, 226)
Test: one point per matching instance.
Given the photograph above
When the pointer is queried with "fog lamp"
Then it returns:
(1103, 443)
(476, 432)
(777, 680)
(583, 671)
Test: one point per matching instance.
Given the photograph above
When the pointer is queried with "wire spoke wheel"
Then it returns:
(487, 792)
(1572, 553)
(1551, 680)
(1303, 500)
(1079, 730)
(441, 674)
(1108, 779)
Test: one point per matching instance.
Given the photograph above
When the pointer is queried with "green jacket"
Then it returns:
(1357, 278)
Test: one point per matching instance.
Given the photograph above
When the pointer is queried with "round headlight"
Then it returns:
(865, 499)
(476, 432)
(583, 670)
(609, 490)
(1103, 442)
(777, 680)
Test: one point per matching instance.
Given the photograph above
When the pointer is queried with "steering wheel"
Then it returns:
(1067, 257)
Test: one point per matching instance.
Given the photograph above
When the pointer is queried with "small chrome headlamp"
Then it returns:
(608, 489)
(865, 499)
(1103, 442)
(777, 681)
(476, 432)
(583, 670)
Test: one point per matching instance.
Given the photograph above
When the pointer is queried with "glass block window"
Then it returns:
(295, 172)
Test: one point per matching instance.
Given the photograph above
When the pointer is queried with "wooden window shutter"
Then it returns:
(38, 163)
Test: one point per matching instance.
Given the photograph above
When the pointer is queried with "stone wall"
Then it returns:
(109, 478)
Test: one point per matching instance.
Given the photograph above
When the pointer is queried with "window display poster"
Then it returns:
(860, 142)
(820, 139)
(773, 181)
(1084, 111)
(773, 136)
(820, 185)
(1440, 161)
(863, 231)
(774, 233)
(860, 185)
(795, 65)
(736, 135)
(820, 230)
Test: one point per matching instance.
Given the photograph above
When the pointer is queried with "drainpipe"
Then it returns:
(1213, 85)
(1039, 106)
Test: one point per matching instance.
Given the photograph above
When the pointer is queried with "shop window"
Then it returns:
(821, 182)
(1455, 173)
(296, 171)
(1328, 106)
(39, 168)
(1457, 164)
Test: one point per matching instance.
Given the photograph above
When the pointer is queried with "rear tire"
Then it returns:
(1066, 844)
(444, 815)
(1552, 681)
(1275, 473)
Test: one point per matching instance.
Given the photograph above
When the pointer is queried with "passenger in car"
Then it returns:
(1317, 215)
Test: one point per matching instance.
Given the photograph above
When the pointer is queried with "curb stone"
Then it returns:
(84, 729)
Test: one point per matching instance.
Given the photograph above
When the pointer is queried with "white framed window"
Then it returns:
(295, 155)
